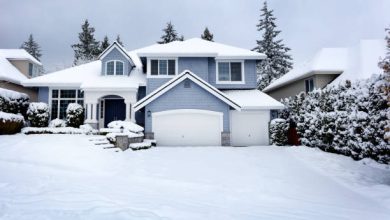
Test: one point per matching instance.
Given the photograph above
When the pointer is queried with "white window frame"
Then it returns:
(115, 61)
(230, 82)
(59, 99)
(149, 67)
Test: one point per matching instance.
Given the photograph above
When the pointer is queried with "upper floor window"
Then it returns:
(230, 72)
(30, 69)
(162, 67)
(309, 85)
(115, 67)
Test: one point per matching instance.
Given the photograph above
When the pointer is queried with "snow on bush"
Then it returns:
(126, 125)
(74, 115)
(13, 102)
(57, 123)
(38, 114)
(10, 123)
(57, 130)
(278, 131)
(348, 119)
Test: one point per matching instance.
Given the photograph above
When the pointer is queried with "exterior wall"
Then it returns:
(31, 92)
(194, 97)
(154, 83)
(21, 65)
(320, 81)
(197, 65)
(115, 54)
(43, 94)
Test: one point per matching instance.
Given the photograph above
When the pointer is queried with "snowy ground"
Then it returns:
(66, 177)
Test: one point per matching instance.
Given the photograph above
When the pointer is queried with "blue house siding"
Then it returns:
(43, 94)
(115, 54)
(154, 83)
(249, 71)
(197, 65)
(194, 97)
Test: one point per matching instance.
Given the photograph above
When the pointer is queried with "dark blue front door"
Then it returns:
(115, 109)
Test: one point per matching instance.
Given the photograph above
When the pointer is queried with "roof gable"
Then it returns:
(178, 79)
(117, 46)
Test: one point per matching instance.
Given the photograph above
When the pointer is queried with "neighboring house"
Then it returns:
(192, 92)
(330, 66)
(16, 65)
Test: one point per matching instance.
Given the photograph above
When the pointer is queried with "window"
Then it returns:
(163, 67)
(30, 69)
(229, 72)
(60, 100)
(309, 85)
(102, 109)
(114, 67)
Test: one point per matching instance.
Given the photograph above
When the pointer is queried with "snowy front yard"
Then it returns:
(67, 177)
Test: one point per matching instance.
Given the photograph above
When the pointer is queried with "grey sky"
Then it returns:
(306, 25)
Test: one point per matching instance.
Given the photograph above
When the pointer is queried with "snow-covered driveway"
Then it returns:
(66, 177)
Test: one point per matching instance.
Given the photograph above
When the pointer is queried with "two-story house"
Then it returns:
(187, 93)
(16, 65)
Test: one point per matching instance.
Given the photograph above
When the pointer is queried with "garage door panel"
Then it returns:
(187, 128)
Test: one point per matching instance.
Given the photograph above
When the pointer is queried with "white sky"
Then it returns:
(307, 25)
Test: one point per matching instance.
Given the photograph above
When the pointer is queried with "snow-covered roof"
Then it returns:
(9, 72)
(196, 47)
(18, 54)
(253, 99)
(357, 62)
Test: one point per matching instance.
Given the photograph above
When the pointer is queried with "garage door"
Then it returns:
(249, 128)
(187, 127)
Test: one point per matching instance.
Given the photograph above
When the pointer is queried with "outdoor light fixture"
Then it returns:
(149, 113)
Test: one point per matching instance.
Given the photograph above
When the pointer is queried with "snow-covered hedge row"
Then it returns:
(38, 114)
(84, 129)
(278, 131)
(13, 102)
(10, 123)
(348, 119)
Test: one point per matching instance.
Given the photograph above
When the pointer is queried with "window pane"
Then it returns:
(54, 109)
(80, 102)
(110, 68)
(163, 67)
(30, 69)
(311, 82)
(63, 105)
(119, 68)
(68, 93)
(154, 67)
(171, 67)
(80, 94)
(223, 71)
(235, 71)
(54, 93)
(307, 85)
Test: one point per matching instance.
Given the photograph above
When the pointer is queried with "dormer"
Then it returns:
(116, 61)
(23, 61)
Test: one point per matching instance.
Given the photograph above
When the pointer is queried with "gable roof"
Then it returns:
(18, 54)
(357, 62)
(120, 49)
(186, 74)
(196, 47)
(9, 72)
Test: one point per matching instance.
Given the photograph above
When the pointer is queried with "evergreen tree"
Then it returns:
(170, 35)
(207, 35)
(105, 43)
(32, 47)
(88, 48)
(385, 65)
(278, 61)
(118, 40)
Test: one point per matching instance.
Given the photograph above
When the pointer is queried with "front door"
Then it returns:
(115, 109)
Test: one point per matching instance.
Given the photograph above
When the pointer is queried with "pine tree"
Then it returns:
(170, 35)
(104, 44)
(88, 48)
(278, 61)
(207, 35)
(118, 40)
(385, 65)
(32, 47)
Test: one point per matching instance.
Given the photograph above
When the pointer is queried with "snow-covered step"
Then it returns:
(101, 142)
(107, 146)
(101, 138)
(143, 145)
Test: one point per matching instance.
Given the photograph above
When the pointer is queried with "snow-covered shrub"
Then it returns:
(88, 129)
(57, 123)
(278, 131)
(74, 115)
(10, 123)
(38, 114)
(13, 102)
(126, 125)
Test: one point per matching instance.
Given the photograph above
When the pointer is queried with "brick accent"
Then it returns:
(225, 138)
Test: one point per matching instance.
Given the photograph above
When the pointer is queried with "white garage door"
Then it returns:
(187, 127)
(249, 128)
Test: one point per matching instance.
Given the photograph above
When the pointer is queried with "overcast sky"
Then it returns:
(306, 25)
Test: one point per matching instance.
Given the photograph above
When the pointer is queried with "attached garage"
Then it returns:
(187, 127)
(249, 128)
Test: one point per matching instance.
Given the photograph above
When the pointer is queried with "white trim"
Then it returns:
(115, 61)
(59, 98)
(230, 61)
(111, 47)
(186, 74)
(149, 67)
(191, 111)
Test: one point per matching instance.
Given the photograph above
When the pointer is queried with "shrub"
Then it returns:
(10, 123)
(74, 115)
(278, 131)
(57, 123)
(13, 102)
(38, 114)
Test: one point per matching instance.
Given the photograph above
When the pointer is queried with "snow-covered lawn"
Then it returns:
(67, 177)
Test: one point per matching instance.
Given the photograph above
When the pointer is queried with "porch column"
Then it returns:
(91, 115)
(132, 113)
(94, 105)
(128, 108)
